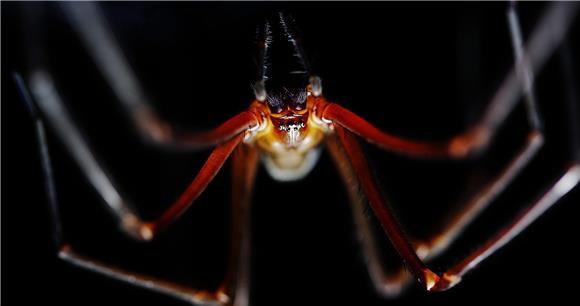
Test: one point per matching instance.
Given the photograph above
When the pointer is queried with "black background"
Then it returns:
(416, 69)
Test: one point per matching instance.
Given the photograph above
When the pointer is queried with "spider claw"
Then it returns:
(445, 282)
(430, 280)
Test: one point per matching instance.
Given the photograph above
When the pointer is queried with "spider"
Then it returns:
(285, 127)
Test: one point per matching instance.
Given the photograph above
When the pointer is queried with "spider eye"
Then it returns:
(275, 104)
(275, 109)
(299, 100)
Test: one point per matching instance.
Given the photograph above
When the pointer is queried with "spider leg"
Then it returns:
(364, 177)
(387, 284)
(51, 106)
(236, 281)
(87, 19)
(244, 165)
(432, 281)
(439, 242)
(193, 296)
(546, 37)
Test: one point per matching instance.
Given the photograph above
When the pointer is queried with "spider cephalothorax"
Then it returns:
(289, 139)
(286, 92)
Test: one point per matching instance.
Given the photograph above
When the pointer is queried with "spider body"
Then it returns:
(288, 135)
(286, 126)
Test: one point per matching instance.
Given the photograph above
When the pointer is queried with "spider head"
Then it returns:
(288, 113)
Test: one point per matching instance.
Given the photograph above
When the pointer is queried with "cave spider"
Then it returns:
(285, 125)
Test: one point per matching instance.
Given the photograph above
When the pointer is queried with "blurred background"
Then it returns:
(420, 70)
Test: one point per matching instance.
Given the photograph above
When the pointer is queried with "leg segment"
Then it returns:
(244, 165)
(388, 285)
(52, 107)
(380, 208)
(547, 36)
(178, 291)
(87, 19)
(452, 276)
(462, 218)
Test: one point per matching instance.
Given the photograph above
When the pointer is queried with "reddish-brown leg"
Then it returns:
(237, 282)
(51, 105)
(472, 141)
(380, 208)
(340, 116)
(160, 132)
(211, 167)
(99, 40)
(452, 276)
(545, 38)
(388, 284)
